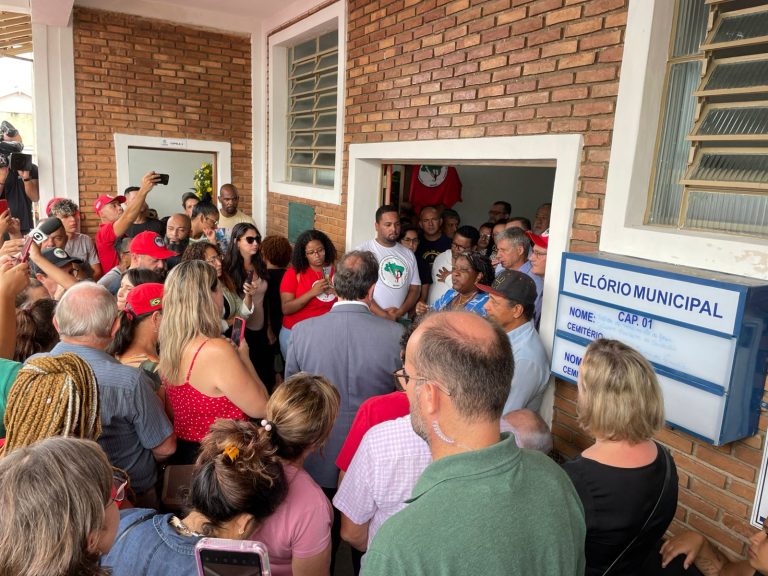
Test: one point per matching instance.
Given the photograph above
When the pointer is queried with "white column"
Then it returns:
(54, 101)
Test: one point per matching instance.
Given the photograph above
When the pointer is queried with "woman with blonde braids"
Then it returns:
(52, 396)
(300, 416)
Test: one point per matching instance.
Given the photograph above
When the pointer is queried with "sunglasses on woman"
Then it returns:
(251, 239)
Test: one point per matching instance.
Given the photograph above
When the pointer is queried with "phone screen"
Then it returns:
(249, 277)
(238, 327)
(230, 563)
(3, 206)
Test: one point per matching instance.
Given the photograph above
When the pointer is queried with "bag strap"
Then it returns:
(667, 476)
(133, 524)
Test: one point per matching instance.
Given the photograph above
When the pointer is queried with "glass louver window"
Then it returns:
(718, 179)
(312, 91)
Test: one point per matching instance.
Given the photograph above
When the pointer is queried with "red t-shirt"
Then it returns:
(318, 306)
(373, 411)
(105, 246)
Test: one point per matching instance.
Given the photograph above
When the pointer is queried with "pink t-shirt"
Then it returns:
(301, 525)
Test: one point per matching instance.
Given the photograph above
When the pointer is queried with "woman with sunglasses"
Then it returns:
(59, 514)
(469, 269)
(204, 377)
(135, 342)
(244, 263)
(307, 287)
(237, 484)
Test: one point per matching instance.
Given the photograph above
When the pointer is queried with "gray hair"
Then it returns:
(475, 365)
(55, 479)
(529, 429)
(517, 237)
(86, 310)
(355, 274)
(64, 207)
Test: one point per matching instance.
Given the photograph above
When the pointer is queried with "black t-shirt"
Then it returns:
(18, 202)
(152, 225)
(617, 502)
(429, 249)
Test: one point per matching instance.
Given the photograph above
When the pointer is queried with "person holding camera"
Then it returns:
(18, 186)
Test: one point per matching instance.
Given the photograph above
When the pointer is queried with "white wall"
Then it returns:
(526, 188)
(179, 165)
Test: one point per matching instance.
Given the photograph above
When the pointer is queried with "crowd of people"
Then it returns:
(387, 397)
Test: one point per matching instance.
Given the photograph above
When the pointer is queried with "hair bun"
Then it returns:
(206, 198)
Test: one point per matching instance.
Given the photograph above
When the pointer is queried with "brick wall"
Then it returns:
(432, 69)
(153, 78)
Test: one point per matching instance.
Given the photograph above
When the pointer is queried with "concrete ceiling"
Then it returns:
(234, 15)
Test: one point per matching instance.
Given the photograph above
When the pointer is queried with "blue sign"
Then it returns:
(705, 333)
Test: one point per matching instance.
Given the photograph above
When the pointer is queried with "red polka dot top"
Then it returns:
(195, 412)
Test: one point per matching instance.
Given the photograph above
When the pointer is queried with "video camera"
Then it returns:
(10, 150)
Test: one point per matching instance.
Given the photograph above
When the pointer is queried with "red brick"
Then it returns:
(574, 93)
(564, 15)
(600, 6)
(580, 59)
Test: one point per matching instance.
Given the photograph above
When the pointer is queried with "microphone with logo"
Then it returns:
(39, 235)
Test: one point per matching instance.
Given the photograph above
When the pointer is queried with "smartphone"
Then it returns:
(21, 161)
(238, 331)
(249, 277)
(4, 206)
(220, 556)
(163, 179)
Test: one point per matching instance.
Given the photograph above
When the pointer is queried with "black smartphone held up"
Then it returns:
(219, 556)
(238, 331)
(163, 179)
(21, 162)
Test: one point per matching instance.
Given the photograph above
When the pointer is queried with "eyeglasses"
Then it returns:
(485, 236)
(251, 239)
(460, 247)
(211, 221)
(539, 253)
(411, 240)
(119, 485)
(317, 252)
(402, 377)
(213, 259)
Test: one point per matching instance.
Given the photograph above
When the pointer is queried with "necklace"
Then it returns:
(460, 301)
(181, 528)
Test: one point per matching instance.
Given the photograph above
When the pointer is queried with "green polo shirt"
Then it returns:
(500, 510)
(8, 371)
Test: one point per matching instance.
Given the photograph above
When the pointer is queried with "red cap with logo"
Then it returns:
(540, 240)
(105, 199)
(150, 244)
(144, 299)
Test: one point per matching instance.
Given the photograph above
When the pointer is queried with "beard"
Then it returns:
(177, 247)
(418, 424)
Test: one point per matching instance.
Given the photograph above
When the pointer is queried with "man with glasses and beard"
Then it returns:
(483, 506)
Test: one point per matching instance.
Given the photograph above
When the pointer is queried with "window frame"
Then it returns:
(279, 139)
(636, 120)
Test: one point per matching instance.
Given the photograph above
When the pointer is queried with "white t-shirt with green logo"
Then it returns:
(397, 272)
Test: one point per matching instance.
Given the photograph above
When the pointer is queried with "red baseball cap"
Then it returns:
(144, 299)
(105, 199)
(51, 202)
(541, 240)
(150, 244)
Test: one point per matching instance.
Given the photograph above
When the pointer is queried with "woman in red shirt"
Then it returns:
(307, 289)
